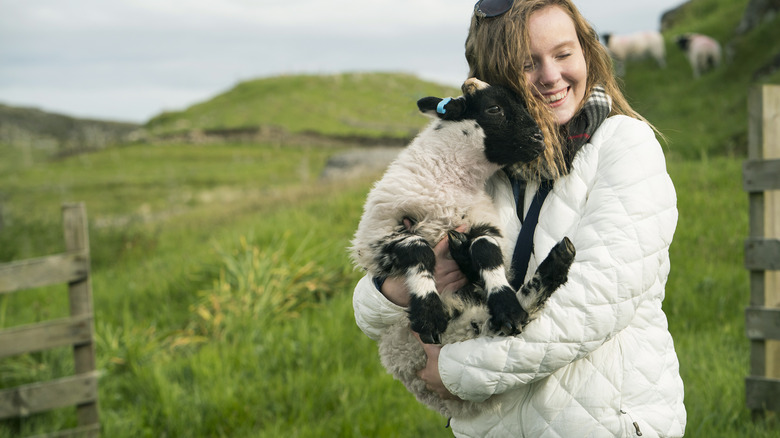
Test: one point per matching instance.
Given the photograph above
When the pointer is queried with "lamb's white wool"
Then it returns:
(436, 181)
(703, 52)
(636, 46)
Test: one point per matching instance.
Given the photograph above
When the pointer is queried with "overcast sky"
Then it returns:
(132, 59)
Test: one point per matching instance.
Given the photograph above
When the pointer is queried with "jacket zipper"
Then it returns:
(636, 425)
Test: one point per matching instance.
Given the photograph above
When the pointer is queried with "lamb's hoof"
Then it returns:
(555, 268)
(428, 318)
(507, 316)
(456, 239)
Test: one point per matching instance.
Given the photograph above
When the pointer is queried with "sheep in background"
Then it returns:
(635, 46)
(703, 52)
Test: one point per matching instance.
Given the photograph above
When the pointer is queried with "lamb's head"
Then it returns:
(511, 135)
(683, 41)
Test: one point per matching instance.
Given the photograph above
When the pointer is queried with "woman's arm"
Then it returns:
(626, 224)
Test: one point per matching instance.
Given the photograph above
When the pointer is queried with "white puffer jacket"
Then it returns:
(599, 361)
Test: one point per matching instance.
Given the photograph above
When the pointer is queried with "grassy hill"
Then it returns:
(43, 133)
(350, 104)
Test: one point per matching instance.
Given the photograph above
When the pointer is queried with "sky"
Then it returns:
(130, 60)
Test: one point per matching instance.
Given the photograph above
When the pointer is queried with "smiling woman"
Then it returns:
(599, 360)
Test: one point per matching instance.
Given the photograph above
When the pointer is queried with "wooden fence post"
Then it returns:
(80, 295)
(761, 173)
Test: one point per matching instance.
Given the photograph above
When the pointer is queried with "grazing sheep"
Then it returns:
(403, 356)
(703, 52)
(635, 46)
(438, 184)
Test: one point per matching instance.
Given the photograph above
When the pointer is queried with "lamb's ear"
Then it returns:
(447, 108)
(427, 105)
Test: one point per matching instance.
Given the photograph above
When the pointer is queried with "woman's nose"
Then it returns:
(548, 74)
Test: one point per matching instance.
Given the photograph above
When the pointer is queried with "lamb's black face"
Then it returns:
(683, 42)
(511, 134)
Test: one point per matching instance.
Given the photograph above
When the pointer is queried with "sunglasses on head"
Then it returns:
(492, 8)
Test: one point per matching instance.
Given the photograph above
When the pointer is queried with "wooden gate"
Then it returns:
(80, 390)
(761, 179)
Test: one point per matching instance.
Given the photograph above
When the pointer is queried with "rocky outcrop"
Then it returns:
(756, 12)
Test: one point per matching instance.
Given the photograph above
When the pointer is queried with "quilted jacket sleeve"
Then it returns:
(374, 313)
(622, 211)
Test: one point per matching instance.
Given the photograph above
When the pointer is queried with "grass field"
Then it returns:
(223, 300)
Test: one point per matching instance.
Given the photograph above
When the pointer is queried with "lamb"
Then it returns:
(703, 52)
(635, 46)
(438, 183)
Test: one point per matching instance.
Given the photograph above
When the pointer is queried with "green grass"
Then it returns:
(239, 322)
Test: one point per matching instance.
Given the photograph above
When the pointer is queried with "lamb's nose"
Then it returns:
(538, 136)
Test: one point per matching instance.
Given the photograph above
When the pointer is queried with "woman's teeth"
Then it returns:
(556, 97)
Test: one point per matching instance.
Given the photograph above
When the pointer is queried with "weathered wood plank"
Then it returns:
(762, 323)
(762, 254)
(762, 393)
(761, 175)
(45, 335)
(43, 271)
(41, 397)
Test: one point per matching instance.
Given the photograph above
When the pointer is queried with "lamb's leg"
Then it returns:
(549, 276)
(412, 255)
(486, 259)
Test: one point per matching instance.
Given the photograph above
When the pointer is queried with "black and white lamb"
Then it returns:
(438, 183)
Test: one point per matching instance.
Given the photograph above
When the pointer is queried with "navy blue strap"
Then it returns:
(525, 242)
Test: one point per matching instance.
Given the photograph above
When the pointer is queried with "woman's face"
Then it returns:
(556, 71)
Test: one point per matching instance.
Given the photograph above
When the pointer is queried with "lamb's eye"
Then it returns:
(475, 327)
(493, 110)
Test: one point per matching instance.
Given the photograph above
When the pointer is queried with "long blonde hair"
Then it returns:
(498, 47)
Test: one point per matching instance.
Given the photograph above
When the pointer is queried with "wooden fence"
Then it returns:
(80, 389)
(761, 179)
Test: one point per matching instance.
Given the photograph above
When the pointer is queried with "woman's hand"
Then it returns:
(447, 275)
(430, 374)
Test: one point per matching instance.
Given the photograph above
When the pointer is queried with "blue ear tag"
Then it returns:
(440, 107)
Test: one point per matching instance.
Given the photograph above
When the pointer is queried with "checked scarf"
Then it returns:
(580, 129)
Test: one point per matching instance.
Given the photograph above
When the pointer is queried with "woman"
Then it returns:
(600, 360)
